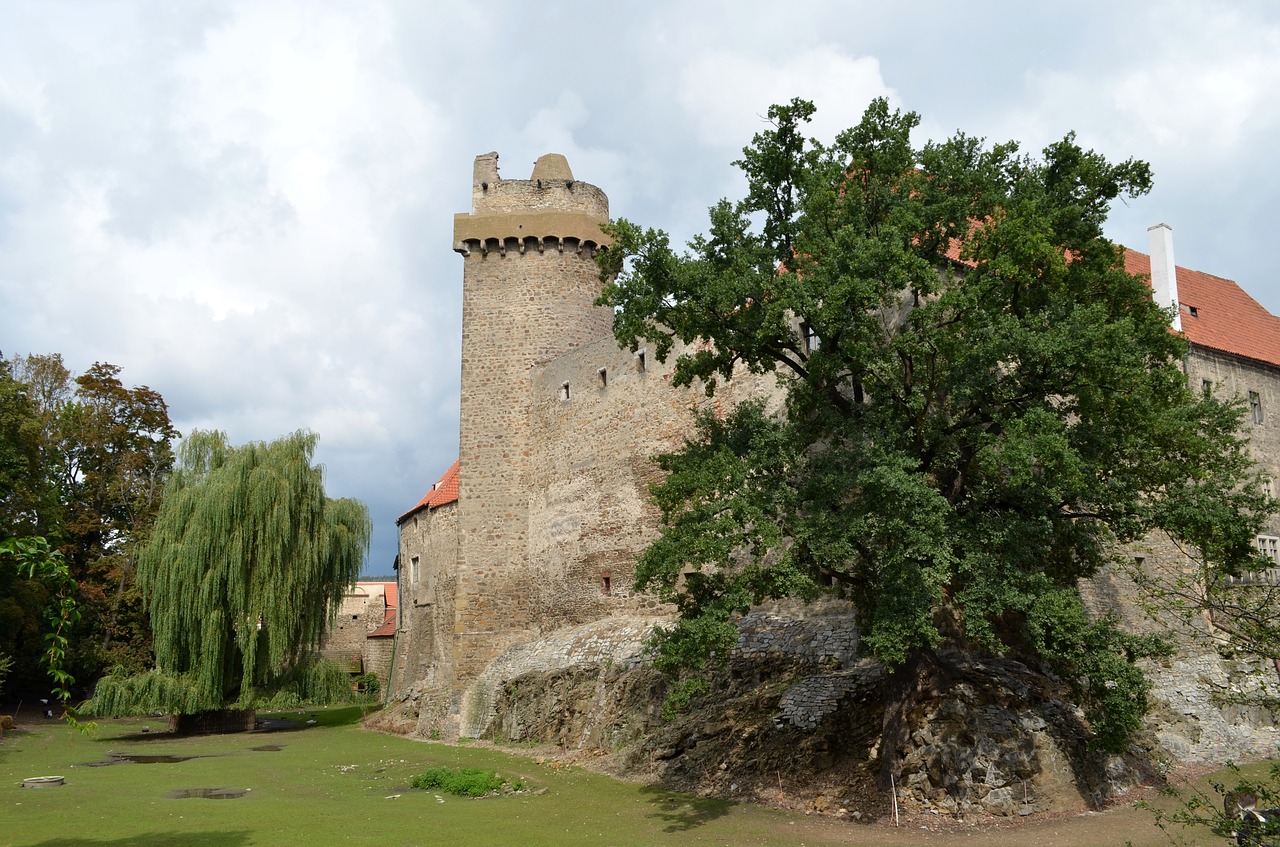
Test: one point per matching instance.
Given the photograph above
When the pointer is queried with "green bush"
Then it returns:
(367, 684)
(464, 782)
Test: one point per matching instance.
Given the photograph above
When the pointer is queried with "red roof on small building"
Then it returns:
(444, 492)
(391, 592)
(1218, 314)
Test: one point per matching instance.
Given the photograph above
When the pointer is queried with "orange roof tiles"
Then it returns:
(387, 627)
(444, 492)
(391, 591)
(1218, 314)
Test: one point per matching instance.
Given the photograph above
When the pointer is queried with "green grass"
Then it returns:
(335, 783)
(463, 782)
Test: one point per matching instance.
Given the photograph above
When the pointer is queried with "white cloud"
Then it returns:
(727, 94)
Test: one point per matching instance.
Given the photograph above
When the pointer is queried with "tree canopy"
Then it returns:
(246, 564)
(980, 402)
(83, 460)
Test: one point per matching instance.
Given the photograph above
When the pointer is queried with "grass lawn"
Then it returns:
(334, 783)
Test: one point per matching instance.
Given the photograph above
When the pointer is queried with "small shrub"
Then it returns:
(464, 782)
(368, 684)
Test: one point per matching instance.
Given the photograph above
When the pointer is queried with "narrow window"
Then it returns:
(1194, 312)
(1268, 487)
(413, 571)
(564, 391)
(811, 340)
(604, 377)
(1255, 407)
(640, 361)
(1206, 387)
(606, 584)
(858, 395)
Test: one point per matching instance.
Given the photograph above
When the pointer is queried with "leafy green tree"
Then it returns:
(979, 404)
(24, 506)
(245, 566)
(35, 558)
(95, 455)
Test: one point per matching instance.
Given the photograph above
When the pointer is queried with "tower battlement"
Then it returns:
(549, 208)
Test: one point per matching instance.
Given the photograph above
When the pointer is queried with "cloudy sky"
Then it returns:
(247, 205)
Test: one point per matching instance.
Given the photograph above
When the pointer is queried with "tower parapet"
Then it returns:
(550, 210)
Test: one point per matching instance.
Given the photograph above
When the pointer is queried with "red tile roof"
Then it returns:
(387, 627)
(391, 591)
(445, 491)
(1225, 317)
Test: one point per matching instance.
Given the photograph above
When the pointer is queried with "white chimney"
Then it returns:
(1164, 275)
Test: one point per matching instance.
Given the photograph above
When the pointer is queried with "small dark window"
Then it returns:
(564, 391)
(355, 617)
(1255, 407)
(604, 377)
(1206, 387)
(1192, 310)
(606, 584)
(640, 361)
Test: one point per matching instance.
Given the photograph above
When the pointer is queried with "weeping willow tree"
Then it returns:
(244, 569)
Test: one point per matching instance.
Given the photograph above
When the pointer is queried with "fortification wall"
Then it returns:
(529, 286)
(599, 416)
(1231, 376)
(428, 581)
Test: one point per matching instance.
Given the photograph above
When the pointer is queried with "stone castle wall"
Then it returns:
(428, 583)
(1232, 376)
(529, 286)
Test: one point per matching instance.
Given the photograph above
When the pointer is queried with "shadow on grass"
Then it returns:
(339, 716)
(154, 839)
(286, 721)
(682, 812)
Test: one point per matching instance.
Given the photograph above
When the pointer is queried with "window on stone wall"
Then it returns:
(413, 571)
(604, 377)
(1206, 387)
(1255, 407)
(811, 340)
(1268, 487)
(606, 584)
(640, 360)
(1269, 547)
(564, 391)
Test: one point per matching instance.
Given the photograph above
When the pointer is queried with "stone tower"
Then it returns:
(528, 290)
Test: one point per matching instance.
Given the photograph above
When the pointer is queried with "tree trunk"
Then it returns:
(923, 676)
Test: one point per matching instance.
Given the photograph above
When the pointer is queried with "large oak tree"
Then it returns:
(980, 404)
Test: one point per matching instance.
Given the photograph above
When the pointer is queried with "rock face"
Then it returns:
(999, 740)
(797, 719)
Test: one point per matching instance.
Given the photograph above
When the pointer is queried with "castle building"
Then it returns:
(536, 528)
(361, 637)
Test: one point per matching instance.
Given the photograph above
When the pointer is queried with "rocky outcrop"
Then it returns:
(796, 719)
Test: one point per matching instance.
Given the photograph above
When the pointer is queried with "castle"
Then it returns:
(530, 538)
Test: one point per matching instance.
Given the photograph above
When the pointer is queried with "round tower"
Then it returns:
(529, 286)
